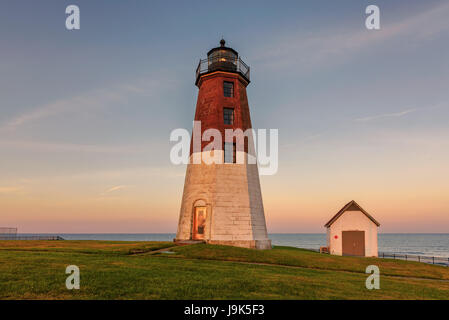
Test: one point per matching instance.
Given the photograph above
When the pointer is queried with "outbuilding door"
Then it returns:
(353, 243)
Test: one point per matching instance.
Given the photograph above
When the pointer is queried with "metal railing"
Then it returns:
(20, 237)
(418, 258)
(442, 261)
(223, 63)
(7, 231)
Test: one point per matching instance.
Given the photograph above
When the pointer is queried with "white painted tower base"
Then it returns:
(230, 194)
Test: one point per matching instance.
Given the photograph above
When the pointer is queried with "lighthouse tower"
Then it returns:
(222, 201)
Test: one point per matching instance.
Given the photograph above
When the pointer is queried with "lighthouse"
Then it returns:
(222, 200)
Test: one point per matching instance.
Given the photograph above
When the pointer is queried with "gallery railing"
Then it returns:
(223, 63)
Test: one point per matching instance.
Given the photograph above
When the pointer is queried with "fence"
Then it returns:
(409, 257)
(8, 231)
(418, 258)
(19, 237)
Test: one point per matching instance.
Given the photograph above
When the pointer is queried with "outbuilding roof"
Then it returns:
(350, 206)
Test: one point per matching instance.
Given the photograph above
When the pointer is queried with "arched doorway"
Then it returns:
(199, 223)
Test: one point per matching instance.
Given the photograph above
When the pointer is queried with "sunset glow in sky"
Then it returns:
(85, 116)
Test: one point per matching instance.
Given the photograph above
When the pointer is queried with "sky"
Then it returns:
(86, 115)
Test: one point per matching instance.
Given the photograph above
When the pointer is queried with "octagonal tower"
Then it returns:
(222, 201)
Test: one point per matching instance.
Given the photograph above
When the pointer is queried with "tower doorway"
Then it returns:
(199, 223)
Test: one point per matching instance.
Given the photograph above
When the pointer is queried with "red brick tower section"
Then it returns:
(222, 201)
(212, 103)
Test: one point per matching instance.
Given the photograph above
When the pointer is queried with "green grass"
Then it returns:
(113, 270)
(290, 256)
(85, 246)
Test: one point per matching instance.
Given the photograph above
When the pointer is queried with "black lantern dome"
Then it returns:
(222, 51)
(222, 58)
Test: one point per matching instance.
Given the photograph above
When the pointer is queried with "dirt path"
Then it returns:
(152, 252)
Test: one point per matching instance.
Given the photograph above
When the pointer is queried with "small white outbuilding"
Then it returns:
(352, 232)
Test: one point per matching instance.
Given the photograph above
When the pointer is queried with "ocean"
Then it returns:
(428, 244)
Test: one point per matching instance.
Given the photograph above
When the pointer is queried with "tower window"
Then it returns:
(228, 116)
(229, 152)
(228, 89)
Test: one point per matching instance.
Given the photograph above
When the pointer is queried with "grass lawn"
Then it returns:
(136, 270)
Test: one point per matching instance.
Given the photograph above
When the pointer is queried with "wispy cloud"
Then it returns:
(114, 190)
(386, 115)
(89, 100)
(331, 46)
(435, 140)
(85, 102)
(9, 190)
(402, 113)
(43, 146)
(305, 139)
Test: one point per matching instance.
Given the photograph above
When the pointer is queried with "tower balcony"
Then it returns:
(228, 63)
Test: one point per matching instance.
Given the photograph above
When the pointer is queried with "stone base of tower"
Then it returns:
(230, 200)
(252, 244)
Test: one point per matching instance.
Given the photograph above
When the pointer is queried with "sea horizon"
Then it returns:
(56, 233)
